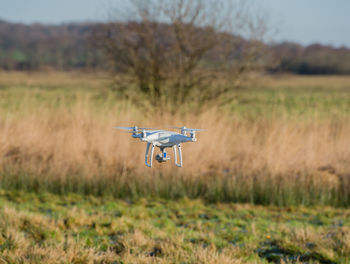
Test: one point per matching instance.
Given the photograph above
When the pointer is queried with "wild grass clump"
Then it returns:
(62, 141)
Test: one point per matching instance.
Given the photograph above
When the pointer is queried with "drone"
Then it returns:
(162, 139)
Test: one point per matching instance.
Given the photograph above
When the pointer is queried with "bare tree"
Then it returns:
(182, 52)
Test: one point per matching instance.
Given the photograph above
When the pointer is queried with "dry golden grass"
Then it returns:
(78, 138)
(59, 143)
(235, 158)
(304, 81)
(52, 79)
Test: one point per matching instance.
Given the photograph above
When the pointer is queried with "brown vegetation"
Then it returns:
(76, 149)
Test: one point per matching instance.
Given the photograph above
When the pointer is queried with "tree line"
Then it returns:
(37, 46)
(74, 46)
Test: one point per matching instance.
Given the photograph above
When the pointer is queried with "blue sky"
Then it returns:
(303, 21)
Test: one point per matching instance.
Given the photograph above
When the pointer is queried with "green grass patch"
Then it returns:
(183, 231)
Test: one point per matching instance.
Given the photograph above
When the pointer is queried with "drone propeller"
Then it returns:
(134, 129)
(186, 129)
(125, 128)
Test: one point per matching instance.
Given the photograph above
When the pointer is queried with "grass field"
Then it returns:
(283, 141)
(45, 228)
(268, 182)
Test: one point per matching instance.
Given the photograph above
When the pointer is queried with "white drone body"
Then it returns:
(162, 139)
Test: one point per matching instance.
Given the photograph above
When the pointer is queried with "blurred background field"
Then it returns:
(283, 140)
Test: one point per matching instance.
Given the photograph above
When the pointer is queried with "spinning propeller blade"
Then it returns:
(125, 128)
(186, 129)
(134, 129)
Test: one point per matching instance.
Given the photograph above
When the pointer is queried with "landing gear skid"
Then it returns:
(149, 163)
(178, 146)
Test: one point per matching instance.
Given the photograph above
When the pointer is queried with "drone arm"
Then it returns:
(180, 155)
(149, 164)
